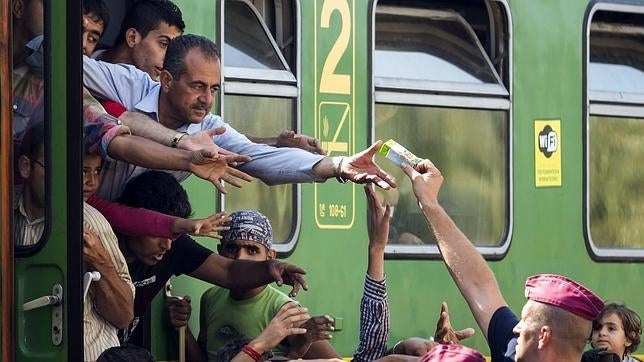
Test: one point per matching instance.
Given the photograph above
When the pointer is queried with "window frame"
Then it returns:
(25, 251)
(267, 83)
(442, 94)
(604, 104)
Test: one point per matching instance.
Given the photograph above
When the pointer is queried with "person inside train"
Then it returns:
(140, 221)
(29, 195)
(617, 329)
(109, 303)
(182, 100)
(227, 314)
(145, 32)
(96, 17)
(555, 321)
(143, 38)
(152, 260)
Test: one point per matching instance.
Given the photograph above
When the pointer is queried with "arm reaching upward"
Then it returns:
(469, 270)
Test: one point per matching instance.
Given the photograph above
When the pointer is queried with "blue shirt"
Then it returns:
(136, 91)
(374, 321)
(500, 337)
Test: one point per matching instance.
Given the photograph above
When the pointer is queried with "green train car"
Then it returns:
(533, 110)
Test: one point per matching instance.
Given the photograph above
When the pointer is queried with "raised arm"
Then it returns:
(374, 306)
(203, 163)
(469, 270)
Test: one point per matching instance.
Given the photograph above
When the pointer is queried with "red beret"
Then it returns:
(452, 353)
(564, 293)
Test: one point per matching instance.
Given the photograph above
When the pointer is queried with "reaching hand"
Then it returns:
(179, 310)
(209, 226)
(378, 217)
(215, 168)
(201, 139)
(296, 140)
(317, 329)
(282, 325)
(426, 180)
(414, 346)
(361, 169)
(445, 334)
(284, 273)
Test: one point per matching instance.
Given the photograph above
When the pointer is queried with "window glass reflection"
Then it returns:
(28, 122)
(430, 45)
(250, 47)
(469, 146)
(616, 203)
(263, 116)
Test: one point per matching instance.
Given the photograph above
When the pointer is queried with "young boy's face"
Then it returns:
(91, 174)
(245, 250)
(93, 28)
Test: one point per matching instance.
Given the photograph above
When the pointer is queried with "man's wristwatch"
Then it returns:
(337, 169)
(177, 138)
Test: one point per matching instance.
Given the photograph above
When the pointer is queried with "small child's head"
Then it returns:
(618, 329)
(92, 165)
(95, 19)
(250, 237)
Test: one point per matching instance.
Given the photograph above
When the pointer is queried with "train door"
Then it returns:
(41, 197)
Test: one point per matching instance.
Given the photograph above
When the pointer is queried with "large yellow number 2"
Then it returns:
(332, 82)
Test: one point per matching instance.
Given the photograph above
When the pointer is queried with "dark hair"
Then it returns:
(146, 15)
(631, 323)
(231, 348)
(33, 143)
(125, 353)
(175, 56)
(600, 355)
(97, 9)
(158, 191)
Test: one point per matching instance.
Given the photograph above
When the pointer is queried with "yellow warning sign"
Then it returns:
(547, 153)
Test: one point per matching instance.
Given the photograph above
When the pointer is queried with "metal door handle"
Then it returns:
(56, 301)
(42, 302)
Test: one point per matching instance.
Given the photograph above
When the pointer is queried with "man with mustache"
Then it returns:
(182, 99)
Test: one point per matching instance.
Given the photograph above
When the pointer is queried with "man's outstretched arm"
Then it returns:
(469, 270)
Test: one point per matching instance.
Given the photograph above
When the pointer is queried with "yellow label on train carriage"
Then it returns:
(547, 153)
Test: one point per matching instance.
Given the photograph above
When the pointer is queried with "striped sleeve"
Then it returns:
(374, 321)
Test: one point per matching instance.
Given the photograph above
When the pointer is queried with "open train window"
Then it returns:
(31, 127)
(442, 89)
(260, 83)
(614, 204)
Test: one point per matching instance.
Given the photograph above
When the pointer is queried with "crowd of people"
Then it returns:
(147, 103)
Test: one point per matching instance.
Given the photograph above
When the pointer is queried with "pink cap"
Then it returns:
(564, 293)
(452, 353)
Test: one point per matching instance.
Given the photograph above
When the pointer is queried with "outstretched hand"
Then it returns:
(296, 140)
(284, 273)
(209, 227)
(445, 334)
(214, 167)
(202, 139)
(360, 168)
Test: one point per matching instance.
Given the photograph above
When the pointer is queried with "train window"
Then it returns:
(442, 89)
(30, 129)
(614, 131)
(259, 84)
